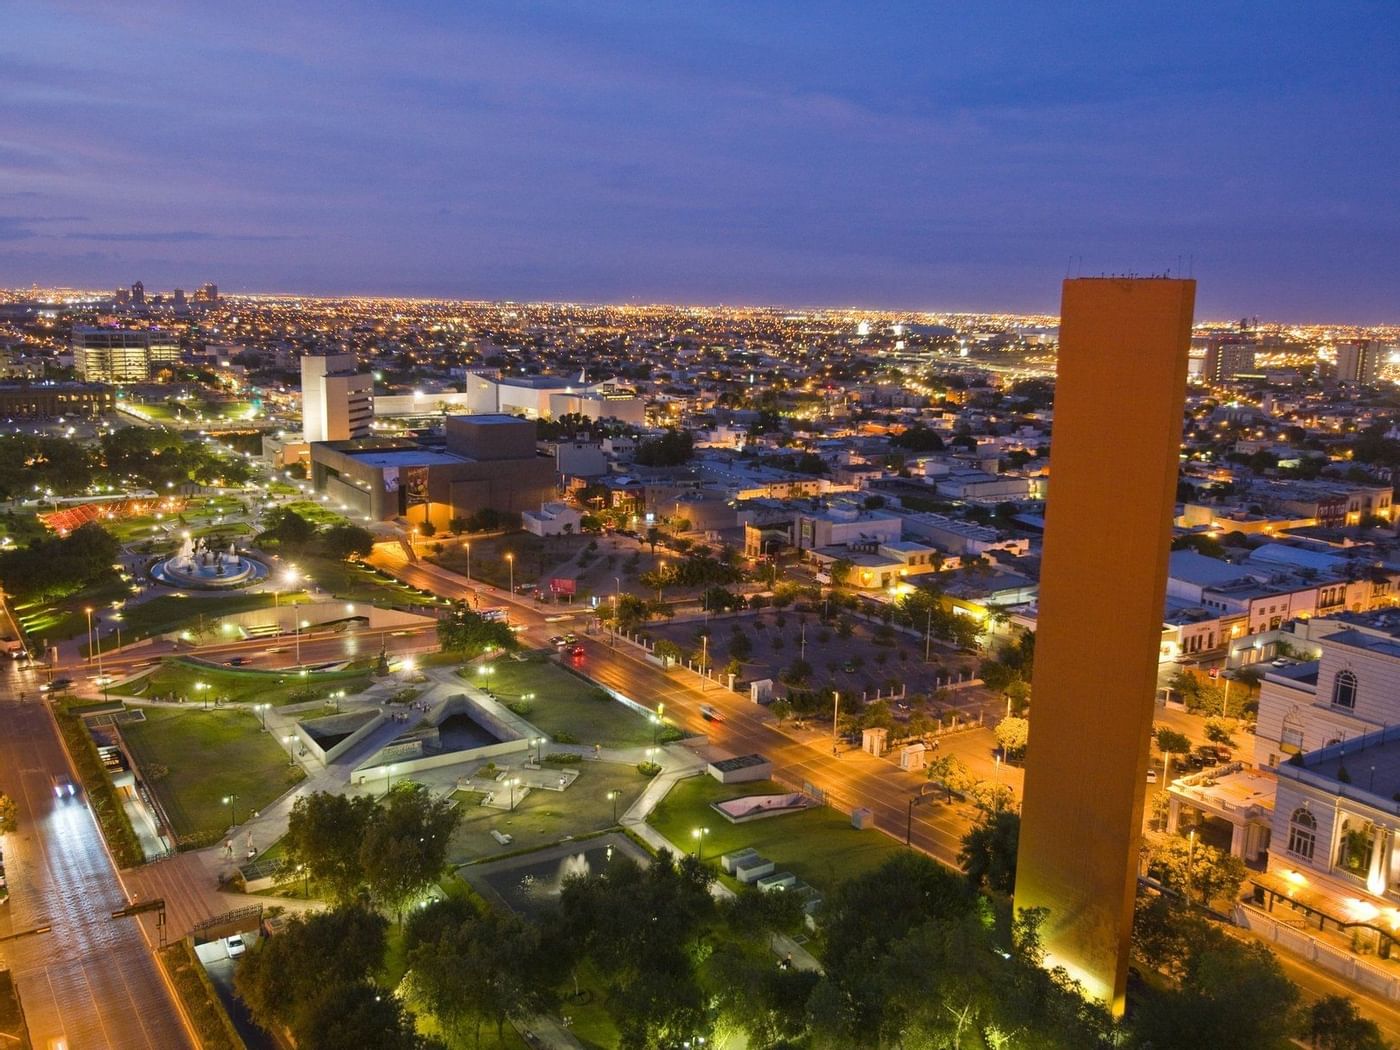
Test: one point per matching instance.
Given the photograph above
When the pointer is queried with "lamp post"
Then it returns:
(388, 779)
(704, 661)
(300, 625)
(202, 689)
(996, 785)
(290, 740)
(512, 781)
(698, 834)
(261, 709)
(660, 573)
(88, 610)
(612, 797)
(287, 579)
(835, 715)
(229, 800)
(467, 546)
(510, 562)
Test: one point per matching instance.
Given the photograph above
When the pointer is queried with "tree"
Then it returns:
(988, 854)
(405, 845)
(347, 541)
(669, 450)
(668, 650)
(287, 528)
(1013, 734)
(1334, 1023)
(652, 537)
(470, 634)
(1196, 870)
(840, 571)
(949, 771)
(9, 815)
(285, 977)
(324, 833)
(781, 709)
(484, 968)
(359, 1015)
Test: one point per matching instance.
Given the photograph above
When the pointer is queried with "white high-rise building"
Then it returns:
(337, 400)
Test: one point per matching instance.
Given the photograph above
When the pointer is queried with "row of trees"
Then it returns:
(129, 456)
(59, 565)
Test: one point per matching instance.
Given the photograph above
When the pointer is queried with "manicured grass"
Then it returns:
(360, 583)
(566, 704)
(179, 678)
(63, 618)
(193, 758)
(543, 818)
(817, 845)
(319, 514)
(171, 612)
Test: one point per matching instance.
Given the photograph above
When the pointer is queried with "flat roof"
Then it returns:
(403, 457)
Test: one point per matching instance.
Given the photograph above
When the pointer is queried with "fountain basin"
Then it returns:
(199, 567)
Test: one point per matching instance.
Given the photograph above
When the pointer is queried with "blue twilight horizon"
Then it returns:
(897, 155)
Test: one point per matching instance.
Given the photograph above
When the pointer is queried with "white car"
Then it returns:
(63, 787)
(235, 945)
(1152, 776)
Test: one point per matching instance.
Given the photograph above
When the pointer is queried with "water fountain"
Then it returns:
(198, 565)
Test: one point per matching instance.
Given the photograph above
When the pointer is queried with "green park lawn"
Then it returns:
(192, 759)
(542, 818)
(179, 677)
(565, 704)
(357, 582)
(818, 845)
(59, 619)
(319, 514)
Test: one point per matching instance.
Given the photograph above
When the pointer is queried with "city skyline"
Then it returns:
(716, 156)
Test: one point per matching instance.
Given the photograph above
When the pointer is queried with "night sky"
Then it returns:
(912, 155)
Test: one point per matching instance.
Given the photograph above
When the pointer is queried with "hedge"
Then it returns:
(202, 1004)
(102, 796)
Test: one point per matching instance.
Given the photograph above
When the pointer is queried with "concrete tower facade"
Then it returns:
(1119, 397)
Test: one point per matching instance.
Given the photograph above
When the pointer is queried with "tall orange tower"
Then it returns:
(1115, 446)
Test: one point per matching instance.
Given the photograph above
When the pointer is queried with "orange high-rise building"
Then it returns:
(1119, 395)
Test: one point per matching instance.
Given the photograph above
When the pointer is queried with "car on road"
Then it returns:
(63, 787)
(235, 945)
(710, 713)
(237, 661)
(571, 639)
(557, 640)
(576, 652)
(61, 683)
(276, 649)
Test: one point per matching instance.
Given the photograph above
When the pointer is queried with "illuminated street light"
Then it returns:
(698, 834)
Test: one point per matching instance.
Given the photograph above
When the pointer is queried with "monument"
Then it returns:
(1115, 447)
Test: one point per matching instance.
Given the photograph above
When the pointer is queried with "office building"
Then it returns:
(55, 400)
(1103, 576)
(138, 293)
(208, 293)
(486, 461)
(1359, 362)
(337, 400)
(1227, 358)
(549, 397)
(122, 355)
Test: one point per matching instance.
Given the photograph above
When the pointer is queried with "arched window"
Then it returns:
(1302, 834)
(1344, 690)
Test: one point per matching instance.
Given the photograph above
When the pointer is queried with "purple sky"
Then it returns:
(919, 155)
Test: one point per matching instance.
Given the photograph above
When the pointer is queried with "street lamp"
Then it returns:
(835, 712)
(655, 729)
(612, 797)
(510, 561)
(261, 709)
(290, 741)
(538, 743)
(467, 546)
(996, 785)
(388, 779)
(201, 688)
(287, 578)
(698, 834)
(512, 781)
(229, 800)
(1190, 864)
(300, 625)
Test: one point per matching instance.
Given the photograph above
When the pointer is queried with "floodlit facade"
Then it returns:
(1119, 400)
(122, 355)
(337, 400)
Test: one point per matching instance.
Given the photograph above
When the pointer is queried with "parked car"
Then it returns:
(1152, 776)
(235, 945)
